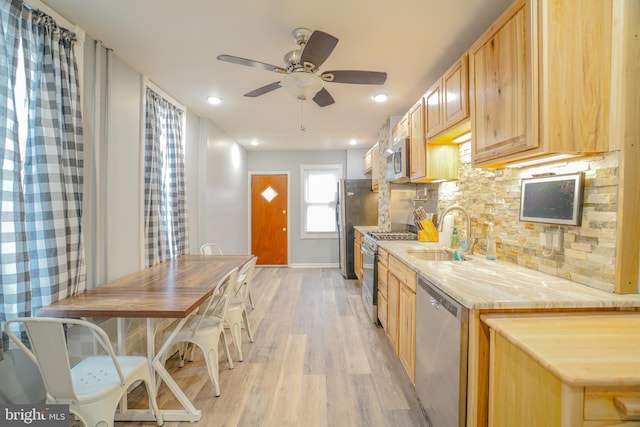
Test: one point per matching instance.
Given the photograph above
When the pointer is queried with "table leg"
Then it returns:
(189, 413)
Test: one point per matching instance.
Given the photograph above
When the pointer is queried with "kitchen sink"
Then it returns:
(439, 254)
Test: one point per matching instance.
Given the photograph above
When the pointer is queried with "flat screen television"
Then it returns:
(555, 199)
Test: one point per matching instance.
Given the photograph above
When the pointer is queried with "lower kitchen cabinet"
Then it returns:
(357, 253)
(407, 330)
(564, 370)
(383, 278)
(401, 292)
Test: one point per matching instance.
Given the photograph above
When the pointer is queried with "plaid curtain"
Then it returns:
(165, 198)
(42, 254)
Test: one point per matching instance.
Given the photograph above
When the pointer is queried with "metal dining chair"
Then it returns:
(214, 249)
(210, 249)
(94, 386)
(237, 313)
(205, 329)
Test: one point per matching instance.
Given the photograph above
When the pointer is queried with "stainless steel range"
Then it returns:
(370, 266)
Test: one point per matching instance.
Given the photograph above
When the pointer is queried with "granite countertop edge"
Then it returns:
(479, 283)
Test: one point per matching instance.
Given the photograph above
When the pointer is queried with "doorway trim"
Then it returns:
(288, 174)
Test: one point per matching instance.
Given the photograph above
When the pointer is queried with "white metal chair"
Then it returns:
(93, 387)
(205, 329)
(210, 249)
(214, 249)
(237, 312)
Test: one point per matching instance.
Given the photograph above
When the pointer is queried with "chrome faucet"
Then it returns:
(471, 240)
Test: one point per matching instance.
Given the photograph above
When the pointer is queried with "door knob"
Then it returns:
(284, 228)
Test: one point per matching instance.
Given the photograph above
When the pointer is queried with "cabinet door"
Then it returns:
(417, 150)
(357, 254)
(407, 330)
(433, 110)
(375, 167)
(367, 162)
(455, 89)
(401, 129)
(498, 75)
(393, 293)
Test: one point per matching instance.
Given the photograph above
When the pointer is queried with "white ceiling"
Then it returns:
(175, 44)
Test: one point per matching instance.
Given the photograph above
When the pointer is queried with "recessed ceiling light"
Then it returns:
(214, 100)
(381, 97)
(255, 142)
(353, 142)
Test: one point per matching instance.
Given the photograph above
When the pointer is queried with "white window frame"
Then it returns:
(304, 169)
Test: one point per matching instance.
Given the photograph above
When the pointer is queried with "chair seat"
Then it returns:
(96, 376)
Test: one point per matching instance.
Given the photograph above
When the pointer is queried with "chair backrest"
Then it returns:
(218, 303)
(49, 351)
(210, 249)
(245, 277)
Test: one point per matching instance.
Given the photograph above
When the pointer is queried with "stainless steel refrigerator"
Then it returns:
(357, 205)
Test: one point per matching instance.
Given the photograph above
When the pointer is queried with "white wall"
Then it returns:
(222, 199)
(302, 252)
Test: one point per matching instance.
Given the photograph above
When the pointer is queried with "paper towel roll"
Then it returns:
(447, 228)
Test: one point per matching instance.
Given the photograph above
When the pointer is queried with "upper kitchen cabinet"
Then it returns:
(400, 129)
(417, 143)
(540, 82)
(447, 104)
(367, 162)
(429, 161)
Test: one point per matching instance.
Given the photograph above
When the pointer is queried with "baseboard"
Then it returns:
(319, 265)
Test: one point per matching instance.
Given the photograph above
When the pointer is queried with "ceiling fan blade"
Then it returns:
(323, 98)
(318, 48)
(355, 77)
(264, 89)
(251, 63)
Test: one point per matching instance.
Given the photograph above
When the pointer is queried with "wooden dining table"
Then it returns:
(174, 290)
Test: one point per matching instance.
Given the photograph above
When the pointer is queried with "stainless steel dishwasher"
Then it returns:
(442, 335)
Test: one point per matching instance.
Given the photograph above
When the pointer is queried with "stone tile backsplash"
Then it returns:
(588, 252)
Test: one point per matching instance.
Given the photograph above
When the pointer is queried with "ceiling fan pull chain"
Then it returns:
(302, 126)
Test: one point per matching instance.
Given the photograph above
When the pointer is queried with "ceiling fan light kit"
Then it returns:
(302, 85)
(300, 77)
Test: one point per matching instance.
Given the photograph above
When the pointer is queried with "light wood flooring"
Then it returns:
(317, 360)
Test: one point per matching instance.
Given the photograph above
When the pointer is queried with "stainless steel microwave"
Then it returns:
(398, 162)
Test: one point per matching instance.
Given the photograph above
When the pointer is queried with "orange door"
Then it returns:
(269, 219)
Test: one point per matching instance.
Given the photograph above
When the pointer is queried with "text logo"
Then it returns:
(34, 415)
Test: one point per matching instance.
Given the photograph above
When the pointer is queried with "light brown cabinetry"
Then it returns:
(564, 370)
(357, 253)
(375, 167)
(447, 104)
(417, 143)
(401, 128)
(403, 280)
(428, 161)
(383, 278)
(367, 162)
(540, 81)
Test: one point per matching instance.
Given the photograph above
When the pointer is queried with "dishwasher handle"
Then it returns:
(440, 300)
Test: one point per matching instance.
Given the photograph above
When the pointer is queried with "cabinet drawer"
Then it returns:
(382, 310)
(606, 403)
(382, 279)
(383, 256)
(405, 274)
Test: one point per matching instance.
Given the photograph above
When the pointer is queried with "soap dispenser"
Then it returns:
(491, 242)
(455, 238)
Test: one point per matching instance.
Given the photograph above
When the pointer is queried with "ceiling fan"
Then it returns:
(301, 77)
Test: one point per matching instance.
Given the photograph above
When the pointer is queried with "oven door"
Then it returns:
(370, 281)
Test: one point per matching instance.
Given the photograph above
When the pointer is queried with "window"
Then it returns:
(319, 192)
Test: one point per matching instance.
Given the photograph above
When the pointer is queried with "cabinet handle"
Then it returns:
(629, 406)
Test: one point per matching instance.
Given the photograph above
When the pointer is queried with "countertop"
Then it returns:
(479, 283)
(581, 350)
